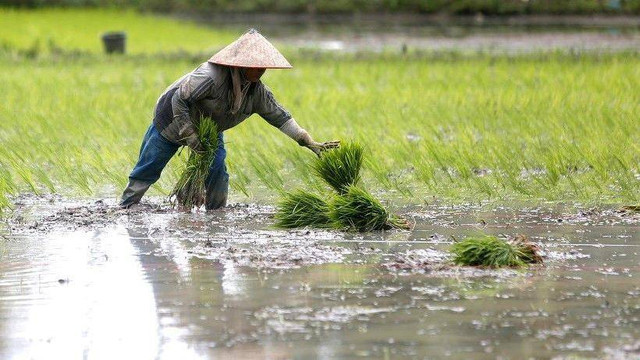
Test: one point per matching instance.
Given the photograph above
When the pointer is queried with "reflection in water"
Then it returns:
(233, 283)
(122, 293)
(164, 261)
(81, 295)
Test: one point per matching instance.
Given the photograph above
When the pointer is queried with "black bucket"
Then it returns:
(114, 42)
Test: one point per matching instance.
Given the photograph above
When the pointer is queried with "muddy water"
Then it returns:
(86, 280)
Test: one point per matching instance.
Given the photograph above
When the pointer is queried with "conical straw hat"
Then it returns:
(251, 50)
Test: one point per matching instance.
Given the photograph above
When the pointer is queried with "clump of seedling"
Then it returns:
(352, 208)
(359, 210)
(489, 251)
(190, 190)
(301, 208)
(340, 168)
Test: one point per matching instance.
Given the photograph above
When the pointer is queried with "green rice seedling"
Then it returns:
(266, 169)
(38, 32)
(340, 167)
(6, 187)
(537, 120)
(359, 210)
(190, 190)
(301, 209)
(489, 251)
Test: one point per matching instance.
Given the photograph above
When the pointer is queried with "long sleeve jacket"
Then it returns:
(207, 92)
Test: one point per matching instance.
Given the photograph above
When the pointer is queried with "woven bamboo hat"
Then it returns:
(251, 50)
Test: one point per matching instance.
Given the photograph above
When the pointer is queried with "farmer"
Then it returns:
(227, 88)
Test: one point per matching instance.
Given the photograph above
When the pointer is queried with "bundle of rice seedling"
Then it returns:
(528, 250)
(359, 210)
(340, 167)
(300, 209)
(492, 252)
(190, 190)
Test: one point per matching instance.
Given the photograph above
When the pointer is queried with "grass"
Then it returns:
(489, 251)
(358, 210)
(340, 168)
(302, 209)
(552, 127)
(190, 190)
(43, 31)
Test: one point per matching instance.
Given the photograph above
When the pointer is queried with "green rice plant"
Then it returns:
(489, 251)
(301, 208)
(360, 211)
(239, 180)
(266, 169)
(39, 32)
(544, 112)
(190, 190)
(340, 167)
(6, 187)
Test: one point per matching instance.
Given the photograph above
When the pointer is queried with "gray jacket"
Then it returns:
(207, 92)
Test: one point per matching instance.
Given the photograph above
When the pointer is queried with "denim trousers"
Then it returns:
(155, 153)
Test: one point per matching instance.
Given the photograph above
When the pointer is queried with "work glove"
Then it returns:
(194, 143)
(318, 147)
(294, 131)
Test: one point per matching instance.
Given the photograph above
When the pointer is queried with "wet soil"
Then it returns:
(85, 277)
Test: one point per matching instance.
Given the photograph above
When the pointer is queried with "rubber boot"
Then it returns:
(216, 200)
(133, 193)
(217, 188)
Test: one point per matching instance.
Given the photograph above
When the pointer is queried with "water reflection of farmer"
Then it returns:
(227, 88)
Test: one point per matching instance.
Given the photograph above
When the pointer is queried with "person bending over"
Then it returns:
(227, 89)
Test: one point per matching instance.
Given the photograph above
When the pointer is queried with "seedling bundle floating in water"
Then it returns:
(190, 190)
(301, 208)
(489, 251)
(358, 210)
(351, 208)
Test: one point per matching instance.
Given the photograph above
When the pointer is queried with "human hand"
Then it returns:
(318, 148)
(195, 145)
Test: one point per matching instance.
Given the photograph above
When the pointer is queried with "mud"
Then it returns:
(85, 277)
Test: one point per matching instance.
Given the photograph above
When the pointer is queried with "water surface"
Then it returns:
(154, 283)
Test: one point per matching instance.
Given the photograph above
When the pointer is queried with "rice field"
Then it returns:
(47, 31)
(448, 127)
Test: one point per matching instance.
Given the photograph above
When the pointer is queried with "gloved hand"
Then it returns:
(188, 136)
(317, 147)
(294, 131)
(194, 144)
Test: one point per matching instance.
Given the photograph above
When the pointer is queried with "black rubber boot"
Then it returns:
(216, 200)
(133, 193)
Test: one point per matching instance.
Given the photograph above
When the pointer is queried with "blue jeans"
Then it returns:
(155, 153)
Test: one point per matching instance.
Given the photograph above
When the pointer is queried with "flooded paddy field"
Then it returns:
(411, 32)
(86, 279)
(82, 278)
